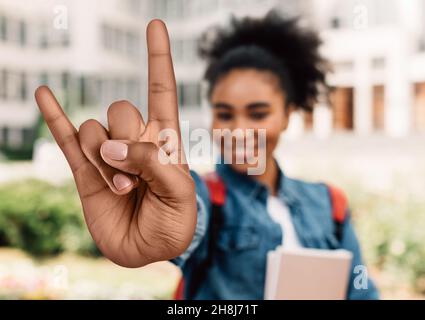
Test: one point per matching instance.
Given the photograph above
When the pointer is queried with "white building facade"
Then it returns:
(377, 48)
(88, 52)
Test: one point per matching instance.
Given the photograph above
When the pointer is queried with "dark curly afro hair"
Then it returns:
(274, 44)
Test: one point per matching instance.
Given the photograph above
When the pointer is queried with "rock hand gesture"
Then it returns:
(138, 208)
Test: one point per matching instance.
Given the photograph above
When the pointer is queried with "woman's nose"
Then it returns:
(241, 123)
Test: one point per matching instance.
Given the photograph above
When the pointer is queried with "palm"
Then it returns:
(152, 219)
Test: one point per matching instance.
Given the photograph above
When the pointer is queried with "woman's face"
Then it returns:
(249, 99)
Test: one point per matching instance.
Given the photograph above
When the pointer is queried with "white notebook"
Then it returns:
(307, 274)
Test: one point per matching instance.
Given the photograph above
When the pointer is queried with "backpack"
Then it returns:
(217, 193)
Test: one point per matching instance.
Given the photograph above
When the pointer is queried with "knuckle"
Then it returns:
(87, 124)
(143, 152)
(151, 152)
(160, 87)
(116, 106)
(191, 186)
(67, 139)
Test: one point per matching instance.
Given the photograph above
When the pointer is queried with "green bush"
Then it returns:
(43, 219)
(392, 229)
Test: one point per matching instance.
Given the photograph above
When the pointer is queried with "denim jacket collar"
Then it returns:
(255, 189)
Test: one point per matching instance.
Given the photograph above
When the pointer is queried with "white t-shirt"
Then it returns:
(280, 213)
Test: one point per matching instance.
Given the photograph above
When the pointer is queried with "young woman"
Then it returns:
(140, 210)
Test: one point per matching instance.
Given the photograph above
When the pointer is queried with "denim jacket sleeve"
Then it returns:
(202, 200)
(361, 286)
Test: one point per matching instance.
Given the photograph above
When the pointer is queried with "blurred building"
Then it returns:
(186, 21)
(378, 53)
(376, 48)
(87, 51)
(92, 53)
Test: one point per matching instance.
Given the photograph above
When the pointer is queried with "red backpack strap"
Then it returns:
(179, 292)
(216, 188)
(339, 203)
(217, 192)
(339, 209)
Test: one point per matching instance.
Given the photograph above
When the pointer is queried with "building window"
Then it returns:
(170, 9)
(308, 120)
(120, 41)
(190, 50)
(4, 79)
(185, 50)
(343, 108)
(378, 63)
(189, 94)
(118, 86)
(174, 9)
(15, 138)
(158, 8)
(44, 39)
(2, 140)
(65, 80)
(13, 85)
(64, 39)
(23, 90)
(3, 28)
(22, 33)
(335, 23)
(419, 108)
(5, 135)
(88, 91)
(133, 91)
(132, 44)
(344, 66)
(44, 79)
(378, 107)
(177, 50)
(421, 44)
(83, 92)
(106, 37)
(119, 45)
(28, 135)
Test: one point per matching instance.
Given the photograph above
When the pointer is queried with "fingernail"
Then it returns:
(121, 181)
(114, 150)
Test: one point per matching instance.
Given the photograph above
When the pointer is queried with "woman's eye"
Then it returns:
(224, 116)
(259, 115)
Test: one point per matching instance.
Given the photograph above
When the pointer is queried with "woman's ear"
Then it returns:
(289, 108)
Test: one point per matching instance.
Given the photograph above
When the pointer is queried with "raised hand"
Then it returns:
(138, 208)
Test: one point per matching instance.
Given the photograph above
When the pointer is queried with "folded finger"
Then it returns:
(91, 135)
(125, 121)
(147, 161)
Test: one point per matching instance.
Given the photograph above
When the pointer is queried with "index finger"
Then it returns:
(162, 92)
(61, 128)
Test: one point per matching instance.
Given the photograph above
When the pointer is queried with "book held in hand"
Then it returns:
(307, 274)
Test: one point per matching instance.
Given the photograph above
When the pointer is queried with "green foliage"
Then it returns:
(43, 219)
(392, 230)
(22, 153)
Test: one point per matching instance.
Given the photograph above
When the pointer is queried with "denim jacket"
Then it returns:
(238, 268)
